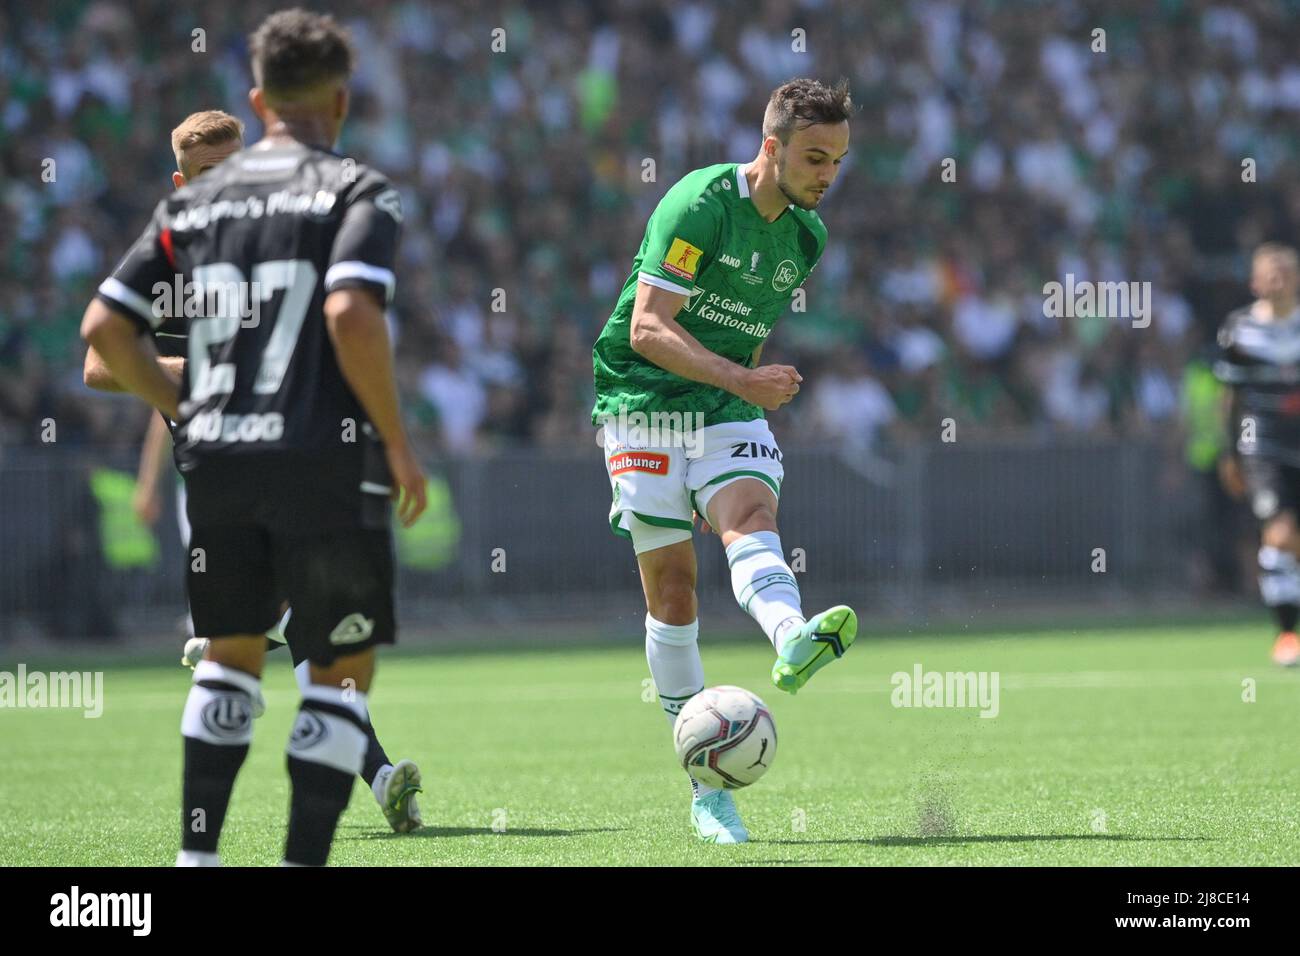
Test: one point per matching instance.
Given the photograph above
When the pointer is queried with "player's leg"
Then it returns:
(1279, 582)
(340, 587)
(666, 558)
(1272, 498)
(672, 626)
(194, 646)
(737, 494)
(394, 785)
(325, 752)
(230, 599)
(652, 508)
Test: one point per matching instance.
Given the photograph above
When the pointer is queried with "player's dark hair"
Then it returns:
(804, 102)
(296, 50)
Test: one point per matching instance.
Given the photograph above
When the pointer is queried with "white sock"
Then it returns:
(1279, 576)
(764, 585)
(673, 653)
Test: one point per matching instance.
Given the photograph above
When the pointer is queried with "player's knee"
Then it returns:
(673, 598)
(1280, 531)
(244, 652)
(753, 517)
(351, 671)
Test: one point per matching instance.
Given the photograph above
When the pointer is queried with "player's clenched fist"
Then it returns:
(408, 483)
(770, 386)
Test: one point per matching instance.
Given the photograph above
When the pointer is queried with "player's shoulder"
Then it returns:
(708, 190)
(1233, 323)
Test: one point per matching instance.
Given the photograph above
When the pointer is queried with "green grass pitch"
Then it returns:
(1111, 747)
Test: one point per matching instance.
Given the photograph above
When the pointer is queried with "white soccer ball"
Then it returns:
(725, 737)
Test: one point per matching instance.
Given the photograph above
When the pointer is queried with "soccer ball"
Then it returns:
(725, 737)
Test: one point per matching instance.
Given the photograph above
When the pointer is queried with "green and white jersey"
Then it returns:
(706, 240)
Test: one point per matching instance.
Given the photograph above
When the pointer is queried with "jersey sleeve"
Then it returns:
(365, 248)
(143, 276)
(681, 238)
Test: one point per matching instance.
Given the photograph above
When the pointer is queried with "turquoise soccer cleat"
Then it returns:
(715, 819)
(823, 638)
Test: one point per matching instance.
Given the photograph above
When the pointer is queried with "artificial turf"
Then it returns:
(1110, 747)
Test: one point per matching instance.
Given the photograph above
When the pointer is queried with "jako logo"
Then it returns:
(102, 909)
(947, 689)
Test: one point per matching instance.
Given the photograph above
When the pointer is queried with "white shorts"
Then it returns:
(660, 485)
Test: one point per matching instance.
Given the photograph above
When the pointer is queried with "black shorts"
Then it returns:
(1271, 486)
(266, 529)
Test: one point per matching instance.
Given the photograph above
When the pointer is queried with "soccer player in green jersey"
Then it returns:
(680, 396)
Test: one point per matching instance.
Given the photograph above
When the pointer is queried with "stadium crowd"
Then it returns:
(1162, 158)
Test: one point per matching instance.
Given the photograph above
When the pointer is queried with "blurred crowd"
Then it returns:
(1152, 142)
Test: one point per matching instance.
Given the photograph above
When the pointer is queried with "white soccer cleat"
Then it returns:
(395, 789)
(195, 648)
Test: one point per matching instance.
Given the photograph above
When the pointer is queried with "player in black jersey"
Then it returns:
(289, 435)
(202, 141)
(1259, 359)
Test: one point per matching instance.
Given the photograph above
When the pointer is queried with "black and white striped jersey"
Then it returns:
(238, 263)
(1260, 359)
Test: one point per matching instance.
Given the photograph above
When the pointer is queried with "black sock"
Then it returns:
(1286, 615)
(210, 771)
(328, 735)
(375, 756)
(319, 797)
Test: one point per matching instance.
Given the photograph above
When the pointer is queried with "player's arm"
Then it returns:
(97, 376)
(660, 338)
(358, 283)
(1229, 467)
(120, 322)
(355, 321)
(129, 357)
(146, 500)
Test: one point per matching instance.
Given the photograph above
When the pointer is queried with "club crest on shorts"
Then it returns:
(353, 629)
(227, 715)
